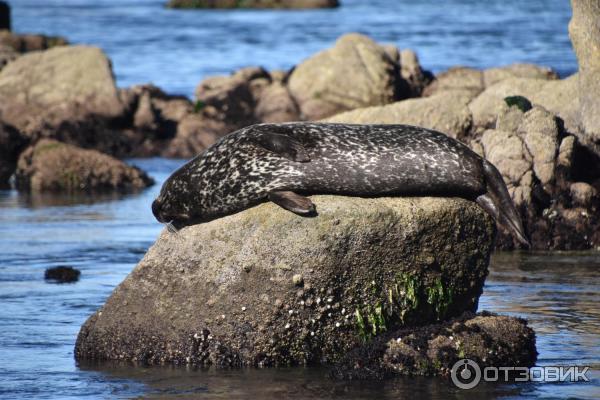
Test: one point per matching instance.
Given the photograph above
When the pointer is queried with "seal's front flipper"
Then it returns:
(283, 145)
(293, 202)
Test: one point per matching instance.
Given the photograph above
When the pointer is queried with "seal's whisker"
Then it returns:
(170, 227)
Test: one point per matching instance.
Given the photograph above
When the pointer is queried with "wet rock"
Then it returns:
(446, 112)
(4, 16)
(54, 166)
(11, 144)
(355, 73)
(584, 31)
(294, 4)
(367, 266)
(487, 339)
(62, 274)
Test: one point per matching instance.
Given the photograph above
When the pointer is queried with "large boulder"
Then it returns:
(252, 3)
(51, 166)
(446, 112)
(268, 287)
(355, 73)
(489, 340)
(64, 93)
(584, 30)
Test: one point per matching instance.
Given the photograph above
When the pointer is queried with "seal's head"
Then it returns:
(173, 203)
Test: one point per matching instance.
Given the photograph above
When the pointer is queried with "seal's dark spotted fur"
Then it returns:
(253, 164)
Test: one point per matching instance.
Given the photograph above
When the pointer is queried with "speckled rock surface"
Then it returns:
(267, 287)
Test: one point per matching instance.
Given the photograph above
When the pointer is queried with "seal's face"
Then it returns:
(173, 203)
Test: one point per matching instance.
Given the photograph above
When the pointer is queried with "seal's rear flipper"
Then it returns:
(293, 202)
(283, 145)
(498, 204)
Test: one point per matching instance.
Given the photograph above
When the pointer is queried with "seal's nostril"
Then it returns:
(156, 209)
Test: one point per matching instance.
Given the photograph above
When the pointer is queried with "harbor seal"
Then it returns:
(285, 162)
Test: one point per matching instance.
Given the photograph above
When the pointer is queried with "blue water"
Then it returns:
(176, 49)
(105, 237)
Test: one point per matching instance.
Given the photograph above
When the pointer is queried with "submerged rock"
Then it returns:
(62, 274)
(54, 166)
(297, 4)
(267, 287)
(487, 339)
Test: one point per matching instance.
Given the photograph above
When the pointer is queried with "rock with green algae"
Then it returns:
(266, 287)
(488, 339)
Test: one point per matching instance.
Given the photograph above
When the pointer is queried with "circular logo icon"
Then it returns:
(465, 374)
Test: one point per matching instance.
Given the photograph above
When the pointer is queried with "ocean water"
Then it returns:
(176, 49)
(105, 237)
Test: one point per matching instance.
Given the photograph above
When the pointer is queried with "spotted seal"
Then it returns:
(284, 162)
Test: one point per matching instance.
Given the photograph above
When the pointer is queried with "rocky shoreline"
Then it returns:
(548, 152)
